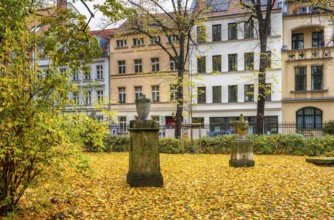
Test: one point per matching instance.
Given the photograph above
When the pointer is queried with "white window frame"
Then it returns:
(138, 41)
(121, 67)
(121, 94)
(99, 71)
(155, 93)
(99, 95)
(138, 91)
(138, 65)
(88, 98)
(122, 124)
(121, 43)
(155, 64)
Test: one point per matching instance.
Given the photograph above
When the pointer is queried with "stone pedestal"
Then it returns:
(242, 153)
(144, 161)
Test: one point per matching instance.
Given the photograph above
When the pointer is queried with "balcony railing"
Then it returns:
(312, 53)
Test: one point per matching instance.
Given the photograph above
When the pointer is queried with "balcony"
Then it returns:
(310, 54)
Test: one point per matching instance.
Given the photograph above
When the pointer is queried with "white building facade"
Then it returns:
(223, 69)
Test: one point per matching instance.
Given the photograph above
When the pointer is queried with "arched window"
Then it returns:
(309, 118)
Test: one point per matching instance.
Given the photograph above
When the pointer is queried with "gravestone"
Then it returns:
(241, 148)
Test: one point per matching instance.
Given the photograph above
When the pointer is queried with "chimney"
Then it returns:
(61, 4)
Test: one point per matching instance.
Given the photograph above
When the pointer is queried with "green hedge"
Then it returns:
(266, 144)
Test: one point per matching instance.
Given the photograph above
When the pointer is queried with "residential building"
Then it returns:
(139, 66)
(307, 72)
(223, 68)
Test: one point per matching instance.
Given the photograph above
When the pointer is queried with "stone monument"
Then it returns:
(144, 161)
(242, 148)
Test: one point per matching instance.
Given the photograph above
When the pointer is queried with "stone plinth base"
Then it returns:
(242, 153)
(144, 160)
(321, 161)
(144, 180)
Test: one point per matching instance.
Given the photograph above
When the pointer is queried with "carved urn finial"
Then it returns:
(143, 106)
(241, 127)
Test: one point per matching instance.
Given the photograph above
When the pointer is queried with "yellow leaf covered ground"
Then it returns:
(195, 187)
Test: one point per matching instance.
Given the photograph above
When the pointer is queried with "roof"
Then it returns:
(220, 8)
(105, 33)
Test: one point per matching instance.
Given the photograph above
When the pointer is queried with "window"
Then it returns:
(249, 30)
(138, 66)
(173, 38)
(172, 92)
(87, 75)
(300, 78)
(232, 31)
(75, 75)
(201, 64)
(232, 62)
(138, 92)
(249, 93)
(216, 32)
(201, 34)
(121, 95)
(155, 40)
(76, 98)
(269, 59)
(121, 43)
(249, 61)
(99, 71)
(317, 77)
(155, 64)
(297, 41)
(99, 118)
(318, 39)
(201, 95)
(233, 93)
(121, 67)
(309, 118)
(138, 41)
(216, 94)
(122, 124)
(155, 93)
(63, 71)
(268, 92)
(172, 64)
(99, 96)
(88, 98)
(217, 63)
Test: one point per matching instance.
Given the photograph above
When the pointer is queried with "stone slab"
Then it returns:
(136, 180)
(321, 160)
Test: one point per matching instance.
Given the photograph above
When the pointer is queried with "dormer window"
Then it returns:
(173, 38)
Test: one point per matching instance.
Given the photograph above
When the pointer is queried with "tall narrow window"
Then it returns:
(201, 95)
(300, 78)
(87, 75)
(121, 66)
(217, 63)
(172, 64)
(155, 93)
(233, 93)
(122, 124)
(249, 61)
(318, 39)
(201, 64)
(249, 93)
(138, 66)
(216, 94)
(99, 71)
(138, 92)
(268, 92)
(121, 95)
(99, 96)
(88, 98)
(317, 77)
(248, 29)
(172, 92)
(76, 98)
(232, 62)
(155, 64)
(297, 41)
(232, 31)
(216, 32)
(75, 75)
(201, 34)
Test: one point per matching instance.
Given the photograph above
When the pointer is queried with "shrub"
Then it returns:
(117, 143)
(170, 146)
(329, 127)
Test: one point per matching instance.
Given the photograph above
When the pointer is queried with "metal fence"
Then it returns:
(212, 130)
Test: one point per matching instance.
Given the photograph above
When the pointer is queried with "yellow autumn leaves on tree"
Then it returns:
(195, 187)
